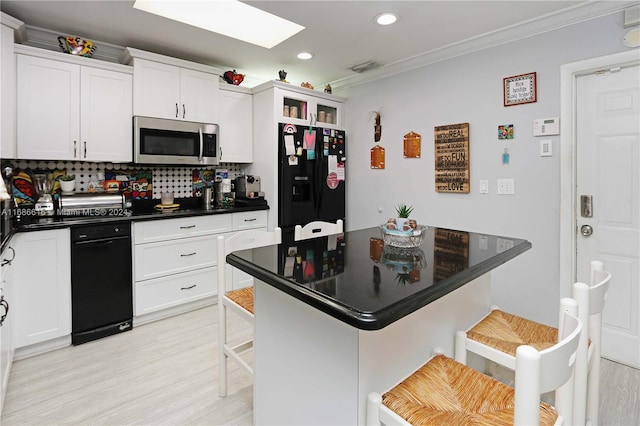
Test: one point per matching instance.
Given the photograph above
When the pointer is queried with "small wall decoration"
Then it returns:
(520, 89)
(505, 131)
(377, 152)
(412, 145)
(451, 144)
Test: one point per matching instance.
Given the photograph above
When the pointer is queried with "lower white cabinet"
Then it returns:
(166, 292)
(41, 306)
(6, 329)
(175, 260)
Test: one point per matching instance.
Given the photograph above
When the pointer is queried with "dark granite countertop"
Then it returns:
(140, 211)
(360, 281)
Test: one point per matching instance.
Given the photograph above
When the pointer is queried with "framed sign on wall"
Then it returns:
(520, 89)
(451, 144)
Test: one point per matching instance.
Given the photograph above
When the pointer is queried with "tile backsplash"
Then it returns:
(176, 179)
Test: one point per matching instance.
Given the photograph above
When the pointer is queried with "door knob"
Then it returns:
(586, 230)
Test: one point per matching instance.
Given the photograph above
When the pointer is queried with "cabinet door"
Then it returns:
(156, 89)
(106, 108)
(236, 127)
(6, 339)
(48, 99)
(292, 107)
(42, 300)
(199, 96)
(328, 113)
(8, 98)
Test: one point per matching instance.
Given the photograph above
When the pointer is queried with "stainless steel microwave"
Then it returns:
(161, 141)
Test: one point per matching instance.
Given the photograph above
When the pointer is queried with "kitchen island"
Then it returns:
(338, 317)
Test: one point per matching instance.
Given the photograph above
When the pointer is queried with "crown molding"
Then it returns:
(18, 27)
(570, 16)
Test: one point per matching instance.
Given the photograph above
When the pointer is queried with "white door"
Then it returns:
(199, 96)
(608, 164)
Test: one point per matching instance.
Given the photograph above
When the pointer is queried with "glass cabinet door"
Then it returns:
(295, 107)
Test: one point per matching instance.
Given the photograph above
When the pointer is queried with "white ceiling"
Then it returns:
(341, 34)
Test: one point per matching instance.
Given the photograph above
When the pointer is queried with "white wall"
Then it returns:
(469, 89)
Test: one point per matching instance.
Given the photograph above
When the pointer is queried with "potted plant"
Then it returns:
(68, 183)
(402, 221)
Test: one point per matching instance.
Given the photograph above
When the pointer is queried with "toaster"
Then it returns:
(248, 186)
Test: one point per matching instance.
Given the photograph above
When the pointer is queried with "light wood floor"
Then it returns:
(165, 373)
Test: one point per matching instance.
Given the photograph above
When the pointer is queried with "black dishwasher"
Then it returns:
(101, 283)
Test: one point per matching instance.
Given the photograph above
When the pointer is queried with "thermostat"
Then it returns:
(546, 126)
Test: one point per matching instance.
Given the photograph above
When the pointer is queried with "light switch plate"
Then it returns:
(484, 186)
(506, 187)
(546, 148)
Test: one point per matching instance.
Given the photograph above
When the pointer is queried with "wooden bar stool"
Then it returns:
(498, 335)
(446, 392)
(239, 301)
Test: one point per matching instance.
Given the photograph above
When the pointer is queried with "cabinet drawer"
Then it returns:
(249, 220)
(172, 257)
(162, 293)
(171, 229)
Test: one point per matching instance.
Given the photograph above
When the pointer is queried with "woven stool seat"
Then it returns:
(505, 332)
(445, 392)
(243, 297)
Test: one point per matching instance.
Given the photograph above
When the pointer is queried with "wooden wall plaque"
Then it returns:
(451, 145)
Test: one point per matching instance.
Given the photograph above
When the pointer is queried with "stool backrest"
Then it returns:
(317, 229)
(242, 240)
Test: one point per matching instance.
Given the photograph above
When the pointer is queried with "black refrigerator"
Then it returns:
(311, 175)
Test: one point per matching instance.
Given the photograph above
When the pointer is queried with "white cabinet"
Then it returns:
(41, 307)
(67, 111)
(236, 125)
(7, 88)
(175, 261)
(167, 91)
(302, 106)
(243, 221)
(6, 339)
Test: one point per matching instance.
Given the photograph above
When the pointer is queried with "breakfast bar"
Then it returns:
(340, 316)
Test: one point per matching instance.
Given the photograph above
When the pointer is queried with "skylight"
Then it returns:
(227, 17)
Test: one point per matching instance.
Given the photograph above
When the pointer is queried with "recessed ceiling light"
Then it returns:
(305, 55)
(386, 18)
(230, 18)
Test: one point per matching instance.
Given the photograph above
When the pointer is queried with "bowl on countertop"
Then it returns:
(407, 239)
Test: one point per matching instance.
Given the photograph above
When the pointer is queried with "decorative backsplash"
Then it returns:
(176, 179)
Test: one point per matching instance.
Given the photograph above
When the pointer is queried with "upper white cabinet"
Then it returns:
(236, 125)
(303, 106)
(8, 86)
(171, 88)
(69, 111)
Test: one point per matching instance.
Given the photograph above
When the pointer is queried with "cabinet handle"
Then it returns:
(176, 110)
(220, 154)
(75, 149)
(8, 261)
(184, 111)
(251, 220)
(188, 288)
(5, 305)
(85, 149)
(187, 227)
(188, 254)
